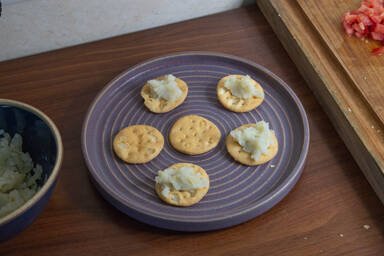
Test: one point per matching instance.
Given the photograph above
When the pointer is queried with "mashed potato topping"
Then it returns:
(17, 175)
(166, 88)
(242, 87)
(254, 140)
(184, 178)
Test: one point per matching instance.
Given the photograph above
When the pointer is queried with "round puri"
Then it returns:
(184, 198)
(159, 105)
(243, 157)
(234, 103)
(138, 144)
(193, 135)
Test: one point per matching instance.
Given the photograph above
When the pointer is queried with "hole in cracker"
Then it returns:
(152, 138)
(186, 194)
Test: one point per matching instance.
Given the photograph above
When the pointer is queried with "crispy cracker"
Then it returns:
(158, 105)
(138, 144)
(184, 198)
(234, 103)
(241, 156)
(193, 135)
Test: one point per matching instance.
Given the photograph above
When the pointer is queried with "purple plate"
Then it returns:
(238, 193)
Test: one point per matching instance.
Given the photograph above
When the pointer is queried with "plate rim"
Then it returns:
(282, 190)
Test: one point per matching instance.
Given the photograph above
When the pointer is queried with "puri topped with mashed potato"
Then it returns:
(164, 93)
(239, 93)
(252, 144)
(182, 184)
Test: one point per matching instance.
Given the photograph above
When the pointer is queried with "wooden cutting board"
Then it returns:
(341, 71)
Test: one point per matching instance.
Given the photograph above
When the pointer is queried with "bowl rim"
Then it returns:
(55, 171)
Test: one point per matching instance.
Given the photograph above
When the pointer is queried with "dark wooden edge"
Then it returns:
(346, 131)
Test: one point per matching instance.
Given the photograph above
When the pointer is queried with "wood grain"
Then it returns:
(331, 198)
(354, 118)
(365, 70)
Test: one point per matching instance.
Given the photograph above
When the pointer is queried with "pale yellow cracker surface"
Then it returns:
(138, 144)
(193, 135)
(184, 198)
(234, 103)
(159, 105)
(241, 156)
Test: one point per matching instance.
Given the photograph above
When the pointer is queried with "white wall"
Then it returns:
(32, 26)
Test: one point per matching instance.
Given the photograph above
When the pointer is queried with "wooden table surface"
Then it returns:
(331, 211)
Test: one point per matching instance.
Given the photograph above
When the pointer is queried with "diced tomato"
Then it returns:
(377, 19)
(378, 50)
(358, 28)
(377, 36)
(379, 28)
(367, 22)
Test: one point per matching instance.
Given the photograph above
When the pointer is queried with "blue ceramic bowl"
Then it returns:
(41, 139)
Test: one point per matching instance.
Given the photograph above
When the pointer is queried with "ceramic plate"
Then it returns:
(238, 193)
